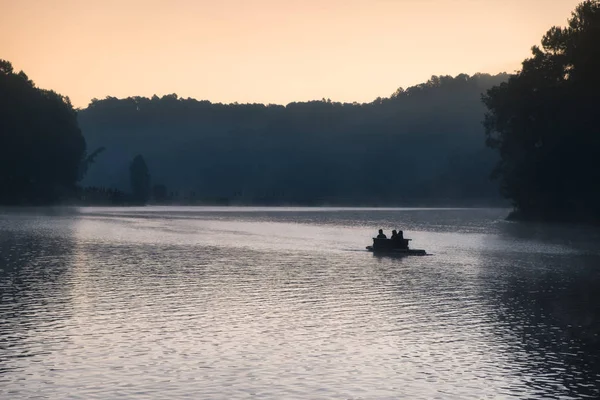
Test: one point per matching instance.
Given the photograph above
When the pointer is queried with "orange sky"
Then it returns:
(267, 51)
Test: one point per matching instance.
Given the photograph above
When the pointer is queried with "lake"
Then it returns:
(286, 303)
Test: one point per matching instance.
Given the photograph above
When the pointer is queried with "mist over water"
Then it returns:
(194, 302)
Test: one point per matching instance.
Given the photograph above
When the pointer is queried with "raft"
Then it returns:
(394, 246)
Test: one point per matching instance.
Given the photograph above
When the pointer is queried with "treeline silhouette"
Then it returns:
(422, 145)
(545, 124)
(42, 149)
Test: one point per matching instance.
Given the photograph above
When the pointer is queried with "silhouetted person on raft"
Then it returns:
(381, 235)
(398, 238)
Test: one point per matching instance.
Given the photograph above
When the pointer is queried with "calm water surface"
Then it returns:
(227, 303)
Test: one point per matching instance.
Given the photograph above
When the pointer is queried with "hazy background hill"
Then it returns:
(421, 145)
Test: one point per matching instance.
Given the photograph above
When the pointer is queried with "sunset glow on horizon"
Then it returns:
(266, 51)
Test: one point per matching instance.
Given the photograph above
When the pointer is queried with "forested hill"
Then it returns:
(422, 145)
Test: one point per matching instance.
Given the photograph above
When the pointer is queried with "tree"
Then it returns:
(88, 160)
(544, 122)
(140, 180)
(41, 145)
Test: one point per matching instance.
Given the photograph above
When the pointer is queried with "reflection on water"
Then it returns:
(285, 303)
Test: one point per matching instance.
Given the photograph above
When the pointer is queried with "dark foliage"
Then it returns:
(545, 124)
(160, 194)
(102, 196)
(41, 145)
(88, 160)
(421, 145)
(140, 180)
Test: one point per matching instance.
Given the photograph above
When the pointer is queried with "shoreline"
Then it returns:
(520, 216)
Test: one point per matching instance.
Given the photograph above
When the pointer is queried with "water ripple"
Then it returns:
(234, 303)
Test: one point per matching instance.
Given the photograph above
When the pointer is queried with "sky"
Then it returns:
(265, 51)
